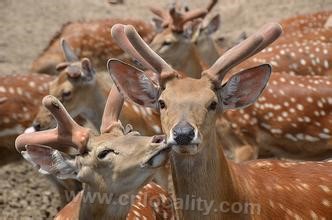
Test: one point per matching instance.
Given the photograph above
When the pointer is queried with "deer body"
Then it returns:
(304, 22)
(288, 124)
(88, 39)
(20, 95)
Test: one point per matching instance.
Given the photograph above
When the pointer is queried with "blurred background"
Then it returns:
(27, 26)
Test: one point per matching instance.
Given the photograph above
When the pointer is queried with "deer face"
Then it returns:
(119, 164)
(189, 117)
(115, 161)
(188, 105)
(75, 83)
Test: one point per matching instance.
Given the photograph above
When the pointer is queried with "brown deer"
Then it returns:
(173, 43)
(188, 113)
(296, 58)
(20, 95)
(84, 92)
(291, 119)
(89, 39)
(113, 164)
(304, 22)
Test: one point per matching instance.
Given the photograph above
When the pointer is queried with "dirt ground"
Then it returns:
(27, 26)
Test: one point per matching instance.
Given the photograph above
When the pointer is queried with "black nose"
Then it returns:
(36, 126)
(183, 133)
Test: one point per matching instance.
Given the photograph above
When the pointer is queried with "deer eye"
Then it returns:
(162, 104)
(105, 152)
(213, 106)
(167, 43)
(66, 95)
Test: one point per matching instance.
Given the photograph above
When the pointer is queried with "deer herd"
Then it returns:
(178, 120)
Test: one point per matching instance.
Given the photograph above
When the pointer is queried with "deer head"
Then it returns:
(174, 43)
(188, 106)
(77, 79)
(115, 161)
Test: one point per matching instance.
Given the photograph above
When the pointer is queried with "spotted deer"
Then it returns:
(89, 39)
(188, 110)
(84, 92)
(296, 58)
(291, 119)
(304, 49)
(304, 22)
(174, 43)
(114, 164)
(20, 95)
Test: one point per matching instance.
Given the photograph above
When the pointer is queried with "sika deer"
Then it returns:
(304, 22)
(291, 119)
(188, 113)
(113, 164)
(84, 92)
(173, 42)
(20, 95)
(88, 39)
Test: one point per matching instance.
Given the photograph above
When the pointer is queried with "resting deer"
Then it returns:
(20, 95)
(113, 164)
(308, 21)
(188, 110)
(291, 119)
(88, 39)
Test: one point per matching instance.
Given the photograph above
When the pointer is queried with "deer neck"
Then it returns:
(206, 176)
(207, 51)
(94, 111)
(99, 203)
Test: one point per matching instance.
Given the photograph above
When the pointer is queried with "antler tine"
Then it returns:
(146, 52)
(163, 14)
(112, 110)
(67, 133)
(180, 19)
(68, 52)
(269, 32)
(242, 51)
(121, 39)
(211, 4)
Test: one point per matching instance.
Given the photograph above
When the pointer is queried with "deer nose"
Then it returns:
(36, 126)
(183, 133)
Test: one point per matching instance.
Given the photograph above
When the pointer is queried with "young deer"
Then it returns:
(20, 95)
(114, 164)
(188, 114)
(88, 39)
(83, 92)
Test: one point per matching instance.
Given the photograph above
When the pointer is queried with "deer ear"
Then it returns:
(68, 52)
(134, 83)
(88, 71)
(244, 88)
(50, 161)
(213, 25)
(61, 66)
